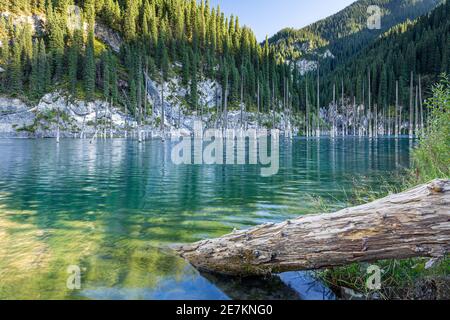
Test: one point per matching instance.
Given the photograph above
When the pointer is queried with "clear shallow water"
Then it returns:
(113, 207)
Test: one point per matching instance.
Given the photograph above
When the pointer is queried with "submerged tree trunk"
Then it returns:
(416, 110)
(333, 113)
(354, 116)
(421, 104)
(308, 126)
(57, 124)
(370, 107)
(225, 110)
(415, 223)
(318, 101)
(343, 108)
(273, 105)
(163, 111)
(257, 102)
(242, 100)
(375, 129)
(397, 112)
(411, 112)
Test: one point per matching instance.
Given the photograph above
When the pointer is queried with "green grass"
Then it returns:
(400, 279)
(431, 158)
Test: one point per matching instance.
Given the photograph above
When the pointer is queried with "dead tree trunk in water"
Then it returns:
(242, 98)
(273, 103)
(375, 129)
(397, 120)
(411, 113)
(308, 126)
(416, 110)
(343, 108)
(421, 104)
(225, 109)
(318, 101)
(354, 116)
(415, 223)
(370, 107)
(334, 112)
(162, 110)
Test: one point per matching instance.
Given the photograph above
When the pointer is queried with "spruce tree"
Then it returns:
(15, 69)
(113, 82)
(89, 68)
(73, 54)
(193, 96)
(186, 74)
(44, 68)
(106, 67)
(35, 77)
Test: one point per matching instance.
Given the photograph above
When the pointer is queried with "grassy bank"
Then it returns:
(412, 278)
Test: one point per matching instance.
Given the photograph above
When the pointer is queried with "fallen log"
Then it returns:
(415, 223)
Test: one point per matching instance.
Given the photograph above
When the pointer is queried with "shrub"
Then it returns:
(431, 159)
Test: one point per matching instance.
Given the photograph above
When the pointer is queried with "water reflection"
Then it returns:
(111, 206)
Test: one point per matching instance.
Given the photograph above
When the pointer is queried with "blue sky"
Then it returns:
(270, 16)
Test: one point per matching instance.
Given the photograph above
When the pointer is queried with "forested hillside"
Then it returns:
(165, 38)
(346, 32)
(417, 48)
(191, 41)
(420, 47)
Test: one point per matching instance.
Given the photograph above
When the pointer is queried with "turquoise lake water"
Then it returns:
(112, 209)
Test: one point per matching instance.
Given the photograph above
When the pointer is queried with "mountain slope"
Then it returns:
(346, 32)
(421, 47)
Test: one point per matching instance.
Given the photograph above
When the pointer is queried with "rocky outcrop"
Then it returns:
(74, 118)
(304, 66)
(36, 21)
(14, 114)
(176, 113)
(108, 36)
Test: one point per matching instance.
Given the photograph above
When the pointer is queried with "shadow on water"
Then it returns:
(285, 286)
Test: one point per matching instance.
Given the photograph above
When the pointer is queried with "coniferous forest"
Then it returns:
(164, 38)
(193, 41)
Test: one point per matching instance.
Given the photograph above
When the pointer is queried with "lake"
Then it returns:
(110, 210)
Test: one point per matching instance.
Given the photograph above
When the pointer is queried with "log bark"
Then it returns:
(415, 223)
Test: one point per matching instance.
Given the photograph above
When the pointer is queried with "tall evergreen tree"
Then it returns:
(89, 68)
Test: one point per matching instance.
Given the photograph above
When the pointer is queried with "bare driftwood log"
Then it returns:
(415, 223)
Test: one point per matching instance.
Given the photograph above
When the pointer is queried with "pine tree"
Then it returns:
(44, 68)
(35, 77)
(56, 29)
(113, 75)
(193, 96)
(73, 57)
(89, 68)
(133, 96)
(186, 74)
(131, 14)
(4, 57)
(163, 57)
(15, 69)
(106, 65)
